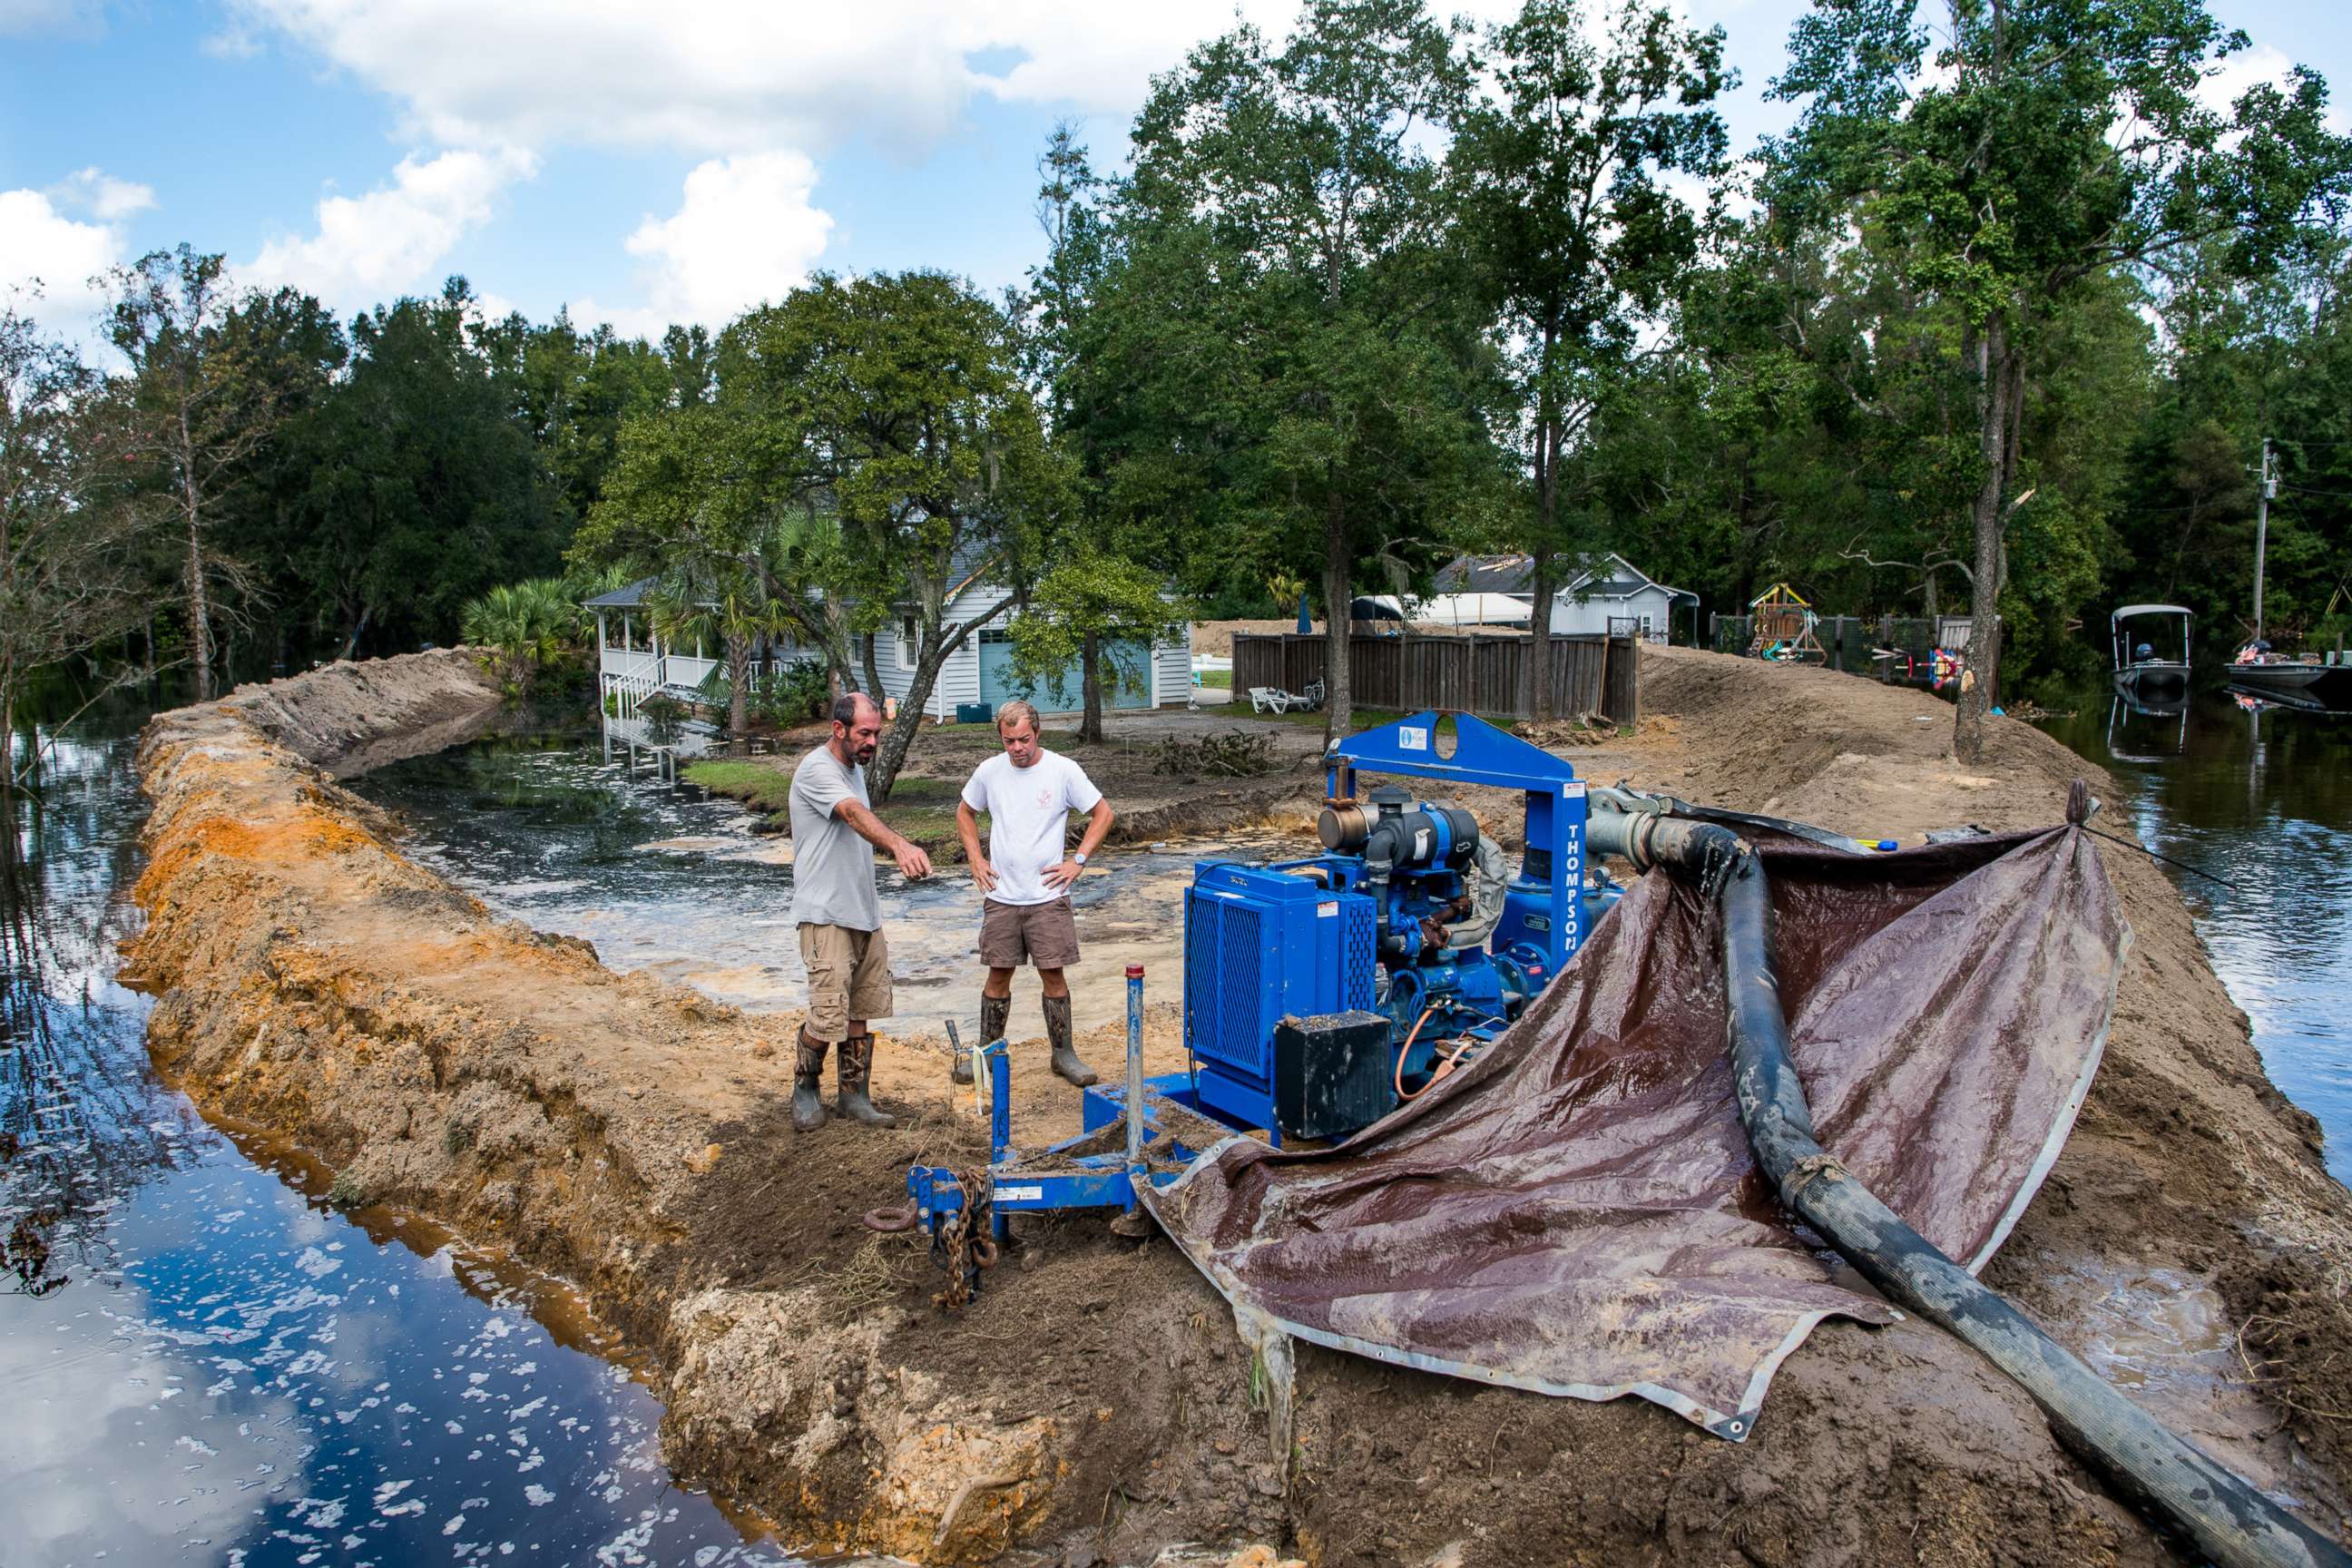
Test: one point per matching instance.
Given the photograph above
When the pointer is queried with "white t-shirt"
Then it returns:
(1028, 819)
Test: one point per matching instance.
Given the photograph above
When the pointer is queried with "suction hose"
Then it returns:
(2231, 1521)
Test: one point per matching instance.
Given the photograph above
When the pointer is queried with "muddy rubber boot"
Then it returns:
(857, 1067)
(808, 1083)
(1067, 1064)
(994, 1011)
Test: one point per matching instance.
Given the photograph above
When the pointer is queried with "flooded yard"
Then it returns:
(665, 880)
(203, 1360)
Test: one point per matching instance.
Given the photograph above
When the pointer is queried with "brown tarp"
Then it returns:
(1577, 1213)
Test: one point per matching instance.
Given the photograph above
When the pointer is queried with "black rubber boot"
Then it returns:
(856, 1068)
(808, 1083)
(1065, 1056)
(993, 1013)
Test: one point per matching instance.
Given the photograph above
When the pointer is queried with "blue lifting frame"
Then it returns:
(1076, 1172)
(1492, 759)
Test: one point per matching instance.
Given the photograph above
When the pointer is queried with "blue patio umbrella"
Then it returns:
(1304, 625)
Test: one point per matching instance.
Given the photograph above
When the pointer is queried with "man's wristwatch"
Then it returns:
(1080, 858)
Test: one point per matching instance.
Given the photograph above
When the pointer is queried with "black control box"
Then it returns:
(1333, 1074)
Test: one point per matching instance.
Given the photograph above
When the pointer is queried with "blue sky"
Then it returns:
(636, 163)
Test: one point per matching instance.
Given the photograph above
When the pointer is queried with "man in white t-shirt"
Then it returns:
(1024, 879)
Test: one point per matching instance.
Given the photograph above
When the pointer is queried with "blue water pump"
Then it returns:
(1319, 992)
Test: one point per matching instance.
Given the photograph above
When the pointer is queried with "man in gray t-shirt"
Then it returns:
(835, 835)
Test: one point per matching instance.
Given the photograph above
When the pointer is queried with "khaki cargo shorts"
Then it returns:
(1043, 934)
(849, 977)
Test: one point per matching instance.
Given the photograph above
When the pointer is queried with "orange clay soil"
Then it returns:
(1094, 1404)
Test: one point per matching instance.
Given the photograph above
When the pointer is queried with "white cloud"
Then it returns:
(54, 242)
(756, 89)
(734, 76)
(103, 196)
(746, 232)
(2225, 82)
(392, 239)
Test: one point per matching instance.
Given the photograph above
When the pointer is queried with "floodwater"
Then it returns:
(202, 1363)
(2259, 796)
(664, 878)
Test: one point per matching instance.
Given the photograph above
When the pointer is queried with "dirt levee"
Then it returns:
(1095, 1402)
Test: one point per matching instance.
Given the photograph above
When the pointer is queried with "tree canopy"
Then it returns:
(2003, 324)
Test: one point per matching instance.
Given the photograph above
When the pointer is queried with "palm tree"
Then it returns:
(528, 624)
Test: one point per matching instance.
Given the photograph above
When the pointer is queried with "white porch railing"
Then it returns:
(630, 678)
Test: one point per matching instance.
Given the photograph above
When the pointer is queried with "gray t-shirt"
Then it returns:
(832, 868)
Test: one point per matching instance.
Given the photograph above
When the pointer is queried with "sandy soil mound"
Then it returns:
(1095, 1404)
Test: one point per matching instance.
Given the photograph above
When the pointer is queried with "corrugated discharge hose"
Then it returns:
(2231, 1521)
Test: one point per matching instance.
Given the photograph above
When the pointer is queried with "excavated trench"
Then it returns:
(1095, 1404)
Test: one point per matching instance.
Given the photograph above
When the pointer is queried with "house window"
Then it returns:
(908, 642)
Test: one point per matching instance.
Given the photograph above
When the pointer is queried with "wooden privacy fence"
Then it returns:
(1590, 674)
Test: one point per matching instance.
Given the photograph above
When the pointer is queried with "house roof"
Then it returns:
(1485, 574)
(1515, 574)
(627, 598)
(969, 565)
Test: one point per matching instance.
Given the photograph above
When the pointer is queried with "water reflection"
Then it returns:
(2262, 796)
(201, 1362)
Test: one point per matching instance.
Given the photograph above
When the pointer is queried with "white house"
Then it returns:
(633, 660)
(1613, 597)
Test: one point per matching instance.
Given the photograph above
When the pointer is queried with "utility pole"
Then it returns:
(2268, 487)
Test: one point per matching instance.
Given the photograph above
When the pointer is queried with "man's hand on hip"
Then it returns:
(913, 863)
(983, 874)
(1059, 877)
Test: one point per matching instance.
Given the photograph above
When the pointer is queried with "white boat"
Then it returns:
(2140, 672)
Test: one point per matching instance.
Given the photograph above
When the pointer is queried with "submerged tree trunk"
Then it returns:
(1338, 599)
(8, 759)
(1982, 668)
(1090, 717)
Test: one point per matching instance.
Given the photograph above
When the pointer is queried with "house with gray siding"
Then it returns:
(1613, 596)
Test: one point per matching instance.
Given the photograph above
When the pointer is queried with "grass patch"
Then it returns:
(930, 826)
(924, 791)
(757, 785)
(1218, 677)
(923, 809)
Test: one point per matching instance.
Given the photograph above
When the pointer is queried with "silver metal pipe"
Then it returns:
(1134, 1081)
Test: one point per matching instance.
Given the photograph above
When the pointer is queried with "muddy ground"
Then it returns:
(1095, 1404)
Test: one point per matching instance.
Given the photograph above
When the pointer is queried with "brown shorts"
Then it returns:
(849, 977)
(1043, 934)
